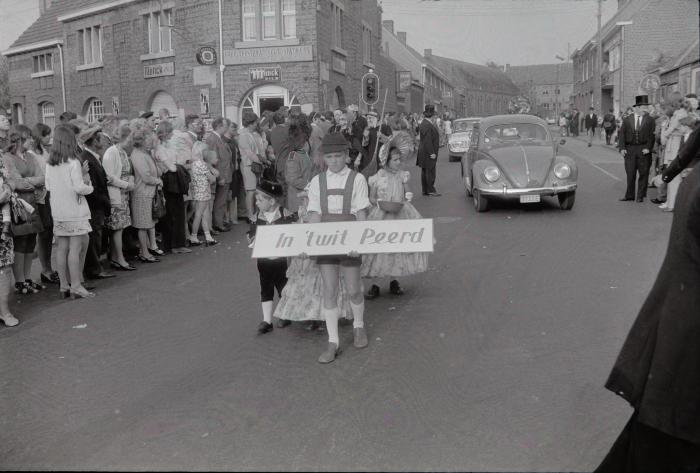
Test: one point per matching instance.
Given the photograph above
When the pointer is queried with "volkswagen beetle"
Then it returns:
(515, 155)
(459, 139)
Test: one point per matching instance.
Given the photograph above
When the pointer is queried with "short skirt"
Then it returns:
(120, 217)
(250, 180)
(67, 229)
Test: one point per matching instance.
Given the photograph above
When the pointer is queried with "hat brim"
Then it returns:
(328, 149)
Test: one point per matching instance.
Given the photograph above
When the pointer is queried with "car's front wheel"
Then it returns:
(481, 202)
(567, 199)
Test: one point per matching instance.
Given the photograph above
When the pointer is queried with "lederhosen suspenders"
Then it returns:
(346, 215)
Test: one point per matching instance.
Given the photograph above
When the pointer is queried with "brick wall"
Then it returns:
(32, 93)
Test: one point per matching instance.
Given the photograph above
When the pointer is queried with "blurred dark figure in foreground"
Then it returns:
(657, 369)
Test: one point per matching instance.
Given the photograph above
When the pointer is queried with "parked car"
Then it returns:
(461, 134)
(551, 121)
(515, 155)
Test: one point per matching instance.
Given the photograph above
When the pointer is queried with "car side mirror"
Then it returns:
(562, 142)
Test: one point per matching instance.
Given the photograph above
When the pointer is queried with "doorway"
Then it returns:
(270, 103)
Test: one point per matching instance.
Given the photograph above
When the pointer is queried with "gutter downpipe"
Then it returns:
(222, 67)
(63, 76)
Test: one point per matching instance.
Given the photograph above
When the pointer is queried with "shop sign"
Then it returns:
(265, 74)
(404, 80)
(650, 83)
(340, 238)
(338, 64)
(268, 55)
(206, 56)
(159, 70)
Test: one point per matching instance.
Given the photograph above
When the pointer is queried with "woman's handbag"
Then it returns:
(158, 206)
(25, 219)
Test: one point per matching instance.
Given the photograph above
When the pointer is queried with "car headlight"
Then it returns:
(562, 170)
(492, 174)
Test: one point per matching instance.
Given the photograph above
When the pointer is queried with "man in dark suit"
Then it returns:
(636, 140)
(215, 142)
(428, 151)
(591, 123)
(98, 200)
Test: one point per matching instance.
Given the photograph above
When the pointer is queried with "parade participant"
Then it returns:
(273, 271)
(357, 124)
(370, 136)
(655, 371)
(391, 185)
(609, 126)
(636, 142)
(68, 183)
(428, 148)
(591, 123)
(563, 125)
(339, 194)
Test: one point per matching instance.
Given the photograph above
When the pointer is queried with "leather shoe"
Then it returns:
(657, 201)
(330, 354)
(434, 194)
(395, 288)
(360, 337)
(103, 275)
(626, 199)
(222, 229)
(89, 288)
(264, 327)
(373, 292)
(281, 323)
(640, 199)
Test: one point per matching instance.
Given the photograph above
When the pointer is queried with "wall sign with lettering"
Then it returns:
(268, 55)
(265, 74)
(206, 56)
(159, 70)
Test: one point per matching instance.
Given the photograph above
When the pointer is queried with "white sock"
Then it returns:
(358, 314)
(267, 311)
(331, 316)
(207, 235)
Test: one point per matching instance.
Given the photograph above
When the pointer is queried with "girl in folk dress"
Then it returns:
(390, 184)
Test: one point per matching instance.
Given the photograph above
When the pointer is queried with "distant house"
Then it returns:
(548, 86)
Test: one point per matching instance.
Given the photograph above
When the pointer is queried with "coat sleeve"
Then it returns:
(76, 179)
(651, 134)
(688, 152)
(142, 169)
(622, 137)
(294, 175)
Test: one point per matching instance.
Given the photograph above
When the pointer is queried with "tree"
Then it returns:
(493, 65)
(4, 84)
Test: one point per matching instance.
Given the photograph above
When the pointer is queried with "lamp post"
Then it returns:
(622, 25)
(557, 91)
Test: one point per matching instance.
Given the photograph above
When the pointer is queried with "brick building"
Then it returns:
(659, 30)
(682, 73)
(97, 57)
(548, 86)
(480, 90)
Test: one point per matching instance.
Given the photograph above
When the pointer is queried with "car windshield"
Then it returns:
(463, 125)
(516, 133)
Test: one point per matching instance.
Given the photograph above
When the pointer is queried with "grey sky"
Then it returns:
(506, 31)
(515, 32)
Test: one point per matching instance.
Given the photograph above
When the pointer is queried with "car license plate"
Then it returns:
(529, 199)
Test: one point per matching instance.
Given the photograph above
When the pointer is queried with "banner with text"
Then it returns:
(340, 238)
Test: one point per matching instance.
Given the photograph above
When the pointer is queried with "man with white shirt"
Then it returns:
(636, 140)
(337, 195)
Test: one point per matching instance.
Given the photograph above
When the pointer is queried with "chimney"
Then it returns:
(506, 68)
(44, 5)
(389, 24)
(427, 52)
(402, 37)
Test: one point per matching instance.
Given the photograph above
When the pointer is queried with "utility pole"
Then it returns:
(597, 93)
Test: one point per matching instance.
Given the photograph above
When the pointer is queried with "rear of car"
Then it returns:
(458, 143)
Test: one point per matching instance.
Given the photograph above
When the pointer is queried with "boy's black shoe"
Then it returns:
(281, 323)
(264, 327)
(395, 288)
(373, 292)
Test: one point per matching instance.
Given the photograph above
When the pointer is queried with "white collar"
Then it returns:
(272, 216)
(342, 173)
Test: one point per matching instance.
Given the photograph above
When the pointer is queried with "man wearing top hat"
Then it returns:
(636, 140)
(428, 151)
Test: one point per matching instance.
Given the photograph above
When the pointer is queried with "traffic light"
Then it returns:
(370, 88)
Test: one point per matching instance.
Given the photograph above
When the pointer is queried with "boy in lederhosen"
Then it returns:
(273, 271)
(339, 195)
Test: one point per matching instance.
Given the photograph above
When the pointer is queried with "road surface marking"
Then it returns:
(603, 170)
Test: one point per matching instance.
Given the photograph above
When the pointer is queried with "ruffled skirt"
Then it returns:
(394, 264)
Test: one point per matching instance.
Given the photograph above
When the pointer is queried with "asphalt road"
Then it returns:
(494, 360)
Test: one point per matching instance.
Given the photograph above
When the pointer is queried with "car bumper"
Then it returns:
(456, 151)
(553, 190)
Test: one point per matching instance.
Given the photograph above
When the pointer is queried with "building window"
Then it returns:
(95, 110)
(614, 58)
(48, 114)
(337, 14)
(268, 19)
(90, 46)
(366, 45)
(159, 31)
(43, 63)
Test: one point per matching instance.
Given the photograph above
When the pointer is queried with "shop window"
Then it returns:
(366, 45)
(48, 114)
(159, 31)
(94, 110)
(90, 46)
(43, 63)
(266, 20)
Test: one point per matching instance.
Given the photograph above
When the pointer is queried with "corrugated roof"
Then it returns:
(47, 26)
(478, 76)
(541, 74)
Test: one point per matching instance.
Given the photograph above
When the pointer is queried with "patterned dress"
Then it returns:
(120, 218)
(200, 188)
(7, 246)
(389, 186)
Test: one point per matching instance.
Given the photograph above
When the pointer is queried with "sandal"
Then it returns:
(156, 251)
(50, 279)
(143, 259)
(22, 288)
(32, 284)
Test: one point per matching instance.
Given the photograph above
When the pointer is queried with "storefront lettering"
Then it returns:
(159, 70)
(263, 55)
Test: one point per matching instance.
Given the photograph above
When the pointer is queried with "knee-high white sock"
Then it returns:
(267, 311)
(358, 314)
(331, 316)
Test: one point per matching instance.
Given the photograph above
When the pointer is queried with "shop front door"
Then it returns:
(270, 103)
